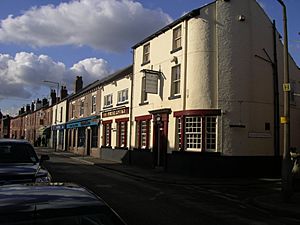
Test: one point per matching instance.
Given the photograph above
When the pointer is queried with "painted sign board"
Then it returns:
(151, 84)
(115, 112)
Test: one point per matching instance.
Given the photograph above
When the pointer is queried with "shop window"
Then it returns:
(61, 137)
(146, 53)
(196, 133)
(211, 133)
(70, 138)
(81, 137)
(107, 134)
(74, 137)
(122, 134)
(143, 131)
(94, 143)
(175, 81)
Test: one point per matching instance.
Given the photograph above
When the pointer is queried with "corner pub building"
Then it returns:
(203, 100)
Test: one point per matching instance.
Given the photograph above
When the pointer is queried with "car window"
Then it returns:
(17, 153)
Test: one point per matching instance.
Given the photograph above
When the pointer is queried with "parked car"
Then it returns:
(19, 163)
(53, 203)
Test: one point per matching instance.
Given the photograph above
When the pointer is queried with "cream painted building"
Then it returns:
(215, 93)
(98, 116)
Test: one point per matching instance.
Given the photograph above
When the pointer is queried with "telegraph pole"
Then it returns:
(286, 171)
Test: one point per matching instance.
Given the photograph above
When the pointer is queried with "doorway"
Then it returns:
(88, 142)
(160, 137)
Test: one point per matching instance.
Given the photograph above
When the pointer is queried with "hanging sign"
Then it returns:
(151, 84)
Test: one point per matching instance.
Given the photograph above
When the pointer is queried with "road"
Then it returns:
(142, 202)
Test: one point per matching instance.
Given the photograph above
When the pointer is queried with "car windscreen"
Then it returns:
(17, 153)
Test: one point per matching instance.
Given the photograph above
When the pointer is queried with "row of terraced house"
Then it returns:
(202, 93)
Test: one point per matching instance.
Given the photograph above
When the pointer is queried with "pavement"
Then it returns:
(271, 201)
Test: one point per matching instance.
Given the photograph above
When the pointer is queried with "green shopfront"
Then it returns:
(83, 135)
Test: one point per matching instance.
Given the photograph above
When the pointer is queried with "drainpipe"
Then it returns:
(130, 108)
(185, 65)
(276, 95)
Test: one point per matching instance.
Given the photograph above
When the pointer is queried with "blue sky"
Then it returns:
(57, 40)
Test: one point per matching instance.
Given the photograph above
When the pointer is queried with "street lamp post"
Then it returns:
(55, 120)
(286, 171)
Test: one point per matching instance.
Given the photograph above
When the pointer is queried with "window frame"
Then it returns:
(146, 53)
(81, 108)
(122, 136)
(175, 73)
(121, 93)
(94, 104)
(208, 132)
(94, 136)
(177, 38)
(143, 140)
(106, 137)
(144, 94)
(105, 102)
(81, 132)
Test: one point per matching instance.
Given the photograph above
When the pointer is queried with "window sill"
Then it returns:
(107, 107)
(145, 63)
(143, 103)
(175, 50)
(174, 97)
(121, 103)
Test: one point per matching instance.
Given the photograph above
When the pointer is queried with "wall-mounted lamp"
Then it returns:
(241, 18)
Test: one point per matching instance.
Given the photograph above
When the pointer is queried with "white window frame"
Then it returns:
(146, 53)
(196, 129)
(177, 34)
(175, 79)
(123, 96)
(94, 103)
(108, 103)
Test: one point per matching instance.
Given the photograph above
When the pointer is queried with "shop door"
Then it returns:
(88, 142)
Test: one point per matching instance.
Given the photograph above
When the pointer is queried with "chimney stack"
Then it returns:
(63, 92)
(32, 106)
(38, 104)
(53, 97)
(27, 108)
(78, 84)
(45, 102)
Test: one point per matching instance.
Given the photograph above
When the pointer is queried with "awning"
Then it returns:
(44, 131)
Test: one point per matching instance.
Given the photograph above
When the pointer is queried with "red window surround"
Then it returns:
(106, 125)
(139, 120)
(119, 121)
(195, 112)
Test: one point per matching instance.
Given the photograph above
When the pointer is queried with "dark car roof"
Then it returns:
(18, 141)
(42, 201)
(52, 195)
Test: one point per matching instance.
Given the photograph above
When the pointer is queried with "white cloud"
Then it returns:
(110, 25)
(22, 76)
